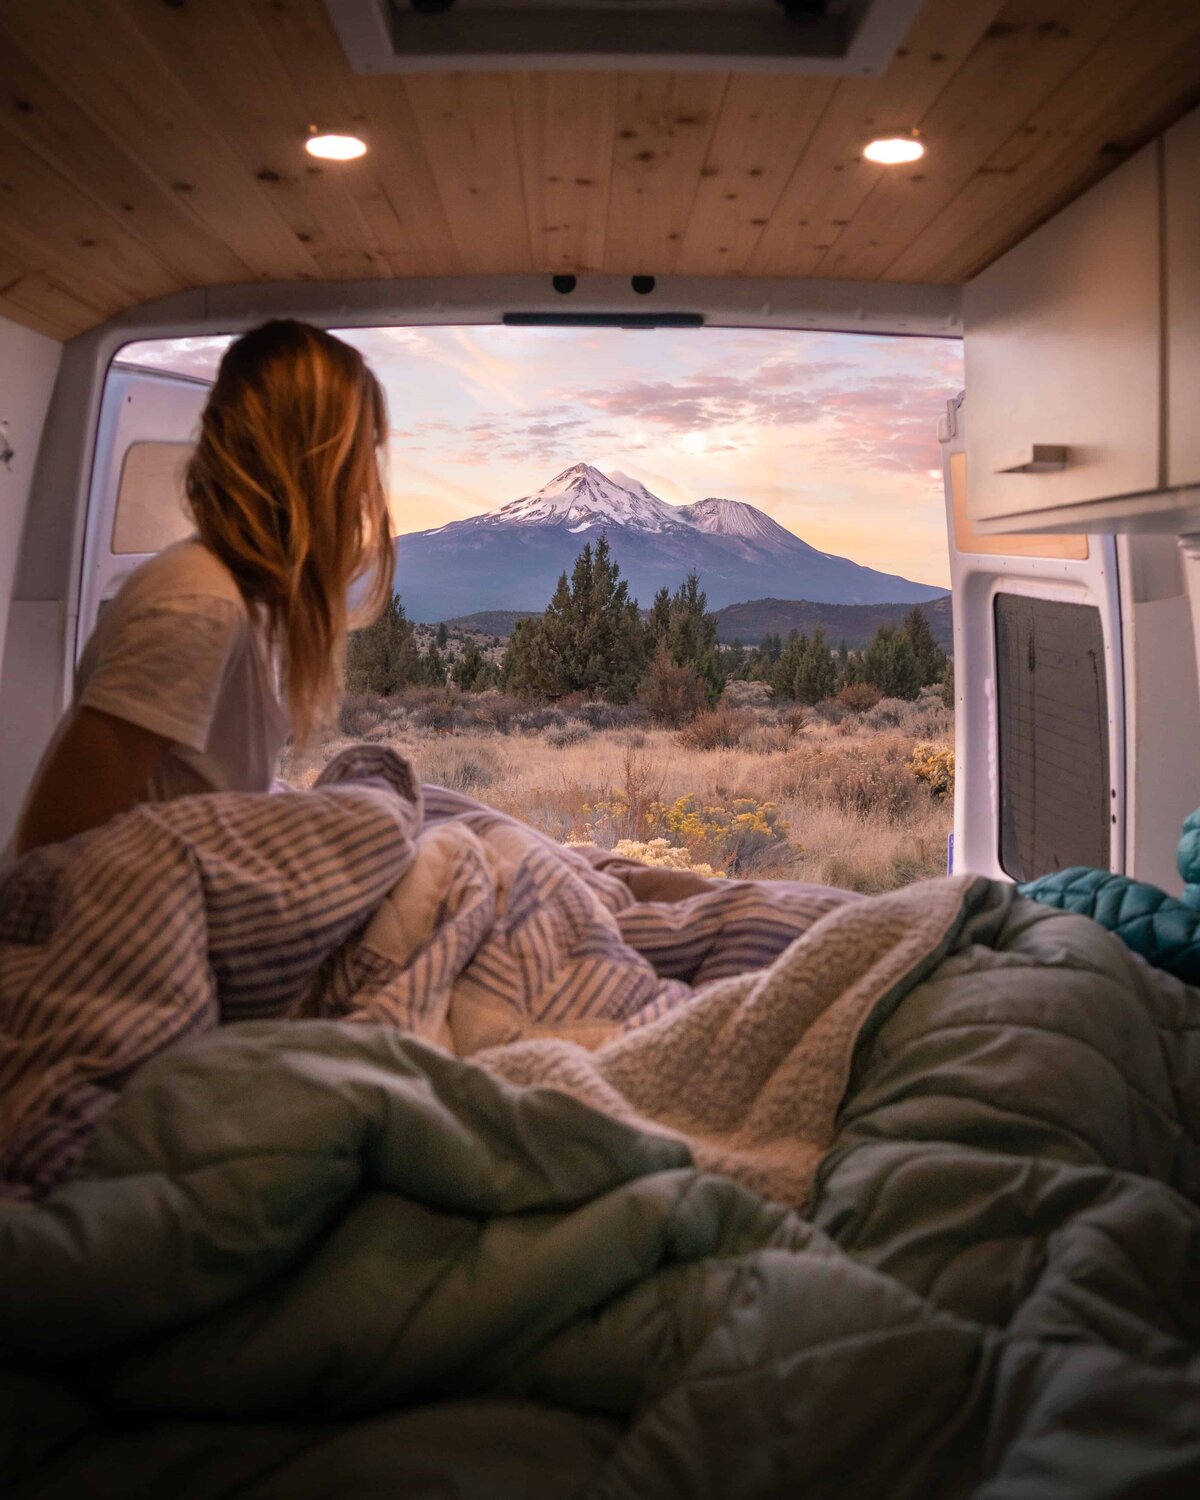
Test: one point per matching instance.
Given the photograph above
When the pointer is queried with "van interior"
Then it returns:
(427, 1276)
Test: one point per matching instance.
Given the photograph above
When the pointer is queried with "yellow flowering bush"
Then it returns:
(604, 821)
(737, 836)
(728, 838)
(933, 765)
(665, 856)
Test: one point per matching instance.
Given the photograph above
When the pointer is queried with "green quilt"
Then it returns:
(316, 1258)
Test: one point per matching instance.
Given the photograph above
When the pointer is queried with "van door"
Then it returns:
(1039, 692)
(148, 424)
(130, 498)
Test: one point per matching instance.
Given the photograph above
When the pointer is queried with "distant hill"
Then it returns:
(511, 558)
(853, 623)
(491, 621)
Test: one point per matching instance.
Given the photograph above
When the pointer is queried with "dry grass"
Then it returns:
(840, 783)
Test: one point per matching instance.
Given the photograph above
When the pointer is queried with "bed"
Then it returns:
(361, 1141)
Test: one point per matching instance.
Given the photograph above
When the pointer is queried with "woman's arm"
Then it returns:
(99, 768)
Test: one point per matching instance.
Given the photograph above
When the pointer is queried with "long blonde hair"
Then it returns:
(287, 489)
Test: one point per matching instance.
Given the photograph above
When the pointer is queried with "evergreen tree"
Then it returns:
(734, 662)
(691, 635)
(947, 683)
(658, 624)
(850, 667)
(383, 656)
(432, 671)
(589, 638)
(782, 674)
(890, 663)
(931, 659)
(443, 635)
(815, 675)
(471, 671)
(526, 667)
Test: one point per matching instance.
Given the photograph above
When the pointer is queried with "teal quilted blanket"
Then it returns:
(1164, 929)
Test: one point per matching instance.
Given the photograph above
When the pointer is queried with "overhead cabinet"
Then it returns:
(1181, 185)
(1083, 357)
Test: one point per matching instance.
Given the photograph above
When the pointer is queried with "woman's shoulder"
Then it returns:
(182, 576)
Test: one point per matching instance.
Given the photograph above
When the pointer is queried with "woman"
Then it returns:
(176, 689)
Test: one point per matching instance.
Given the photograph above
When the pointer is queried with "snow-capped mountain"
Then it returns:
(511, 557)
(584, 499)
(735, 518)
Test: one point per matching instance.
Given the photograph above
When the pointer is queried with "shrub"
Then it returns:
(716, 729)
(796, 718)
(444, 715)
(461, 770)
(534, 720)
(934, 766)
(870, 780)
(739, 835)
(741, 694)
(886, 714)
(599, 715)
(570, 733)
(664, 856)
(672, 693)
(859, 696)
(359, 714)
(768, 739)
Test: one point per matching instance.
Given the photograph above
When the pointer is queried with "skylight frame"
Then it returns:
(852, 38)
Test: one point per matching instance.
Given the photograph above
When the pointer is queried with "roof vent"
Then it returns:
(769, 36)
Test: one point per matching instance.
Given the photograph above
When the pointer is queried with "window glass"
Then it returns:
(1053, 736)
(150, 512)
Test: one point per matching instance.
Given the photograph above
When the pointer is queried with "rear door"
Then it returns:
(1039, 692)
(148, 423)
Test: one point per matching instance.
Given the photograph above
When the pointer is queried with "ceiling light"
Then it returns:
(334, 147)
(894, 148)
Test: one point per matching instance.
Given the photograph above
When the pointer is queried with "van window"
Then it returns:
(681, 593)
(1053, 736)
(150, 512)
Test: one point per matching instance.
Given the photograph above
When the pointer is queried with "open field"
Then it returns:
(821, 794)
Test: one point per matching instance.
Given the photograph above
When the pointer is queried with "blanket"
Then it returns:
(118, 943)
(726, 1018)
(315, 1257)
(315, 1252)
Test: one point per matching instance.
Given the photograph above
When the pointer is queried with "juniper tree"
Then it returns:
(690, 633)
(383, 657)
(589, 638)
(432, 671)
(891, 664)
(931, 659)
(471, 671)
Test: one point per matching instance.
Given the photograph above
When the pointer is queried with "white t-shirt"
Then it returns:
(178, 652)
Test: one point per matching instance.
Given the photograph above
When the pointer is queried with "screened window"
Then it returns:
(150, 512)
(1053, 732)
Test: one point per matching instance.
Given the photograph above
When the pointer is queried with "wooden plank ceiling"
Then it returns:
(147, 146)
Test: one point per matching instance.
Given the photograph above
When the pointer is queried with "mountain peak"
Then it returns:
(735, 518)
(582, 498)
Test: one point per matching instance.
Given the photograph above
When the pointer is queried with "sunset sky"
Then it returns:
(833, 435)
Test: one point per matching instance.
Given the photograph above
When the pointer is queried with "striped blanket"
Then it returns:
(722, 1013)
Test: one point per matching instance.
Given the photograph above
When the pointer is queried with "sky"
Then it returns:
(834, 435)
